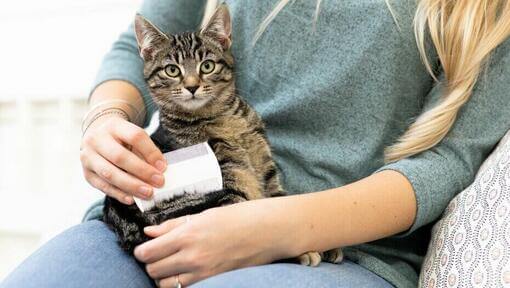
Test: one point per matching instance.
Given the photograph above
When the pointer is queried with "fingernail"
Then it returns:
(146, 191)
(161, 165)
(148, 229)
(157, 179)
(129, 200)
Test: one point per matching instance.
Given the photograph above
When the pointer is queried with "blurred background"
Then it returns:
(49, 54)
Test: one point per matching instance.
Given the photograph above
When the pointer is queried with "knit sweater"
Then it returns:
(333, 94)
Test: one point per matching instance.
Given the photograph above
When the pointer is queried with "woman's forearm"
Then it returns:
(126, 93)
(375, 207)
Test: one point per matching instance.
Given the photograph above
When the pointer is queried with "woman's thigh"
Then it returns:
(86, 255)
(283, 275)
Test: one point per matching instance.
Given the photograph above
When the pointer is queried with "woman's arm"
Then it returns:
(375, 207)
(261, 231)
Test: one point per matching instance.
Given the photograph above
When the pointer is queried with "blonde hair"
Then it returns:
(464, 33)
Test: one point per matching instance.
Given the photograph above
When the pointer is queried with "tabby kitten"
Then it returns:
(190, 77)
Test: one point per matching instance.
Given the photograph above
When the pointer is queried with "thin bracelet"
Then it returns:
(107, 111)
(102, 103)
(115, 101)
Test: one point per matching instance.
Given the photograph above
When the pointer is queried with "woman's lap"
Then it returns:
(282, 275)
(87, 255)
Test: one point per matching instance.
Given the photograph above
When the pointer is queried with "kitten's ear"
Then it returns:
(219, 27)
(148, 37)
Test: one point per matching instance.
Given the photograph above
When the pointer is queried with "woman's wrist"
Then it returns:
(117, 94)
(101, 111)
(280, 221)
(94, 117)
(295, 224)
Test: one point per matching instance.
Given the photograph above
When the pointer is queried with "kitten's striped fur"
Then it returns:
(196, 107)
(214, 112)
(232, 128)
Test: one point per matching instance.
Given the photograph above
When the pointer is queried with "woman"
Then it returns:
(346, 98)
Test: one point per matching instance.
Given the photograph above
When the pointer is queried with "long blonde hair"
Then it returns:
(464, 33)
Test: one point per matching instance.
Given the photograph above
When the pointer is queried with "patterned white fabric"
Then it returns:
(470, 245)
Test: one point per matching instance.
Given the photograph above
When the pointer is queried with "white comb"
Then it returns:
(193, 169)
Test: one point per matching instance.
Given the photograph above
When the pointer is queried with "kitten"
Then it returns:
(190, 77)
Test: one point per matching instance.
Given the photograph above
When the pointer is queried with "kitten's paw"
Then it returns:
(312, 259)
(334, 256)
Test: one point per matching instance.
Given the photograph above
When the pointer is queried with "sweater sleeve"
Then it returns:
(438, 174)
(123, 62)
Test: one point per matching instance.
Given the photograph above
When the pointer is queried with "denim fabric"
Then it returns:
(87, 255)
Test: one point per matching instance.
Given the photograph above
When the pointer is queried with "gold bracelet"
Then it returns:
(107, 111)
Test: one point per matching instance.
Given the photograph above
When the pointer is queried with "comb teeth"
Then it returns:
(202, 187)
(190, 170)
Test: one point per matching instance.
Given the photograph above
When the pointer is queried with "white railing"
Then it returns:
(42, 189)
(49, 55)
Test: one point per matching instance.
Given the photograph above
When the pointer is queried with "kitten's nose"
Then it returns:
(192, 89)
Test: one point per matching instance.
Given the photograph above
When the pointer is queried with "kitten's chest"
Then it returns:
(175, 135)
(172, 135)
(191, 136)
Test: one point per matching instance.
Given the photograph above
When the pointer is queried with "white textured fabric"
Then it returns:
(470, 245)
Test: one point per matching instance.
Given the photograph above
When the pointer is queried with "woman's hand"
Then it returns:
(120, 159)
(215, 241)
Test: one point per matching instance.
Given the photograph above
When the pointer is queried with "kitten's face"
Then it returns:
(189, 69)
(190, 72)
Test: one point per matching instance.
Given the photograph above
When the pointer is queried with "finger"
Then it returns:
(186, 279)
(116, 177)
(157, 248)
(165, 227)
(121, 157)
(160, 170)
(107, 188)
(140, 140)
(137, 153)
(166, 267)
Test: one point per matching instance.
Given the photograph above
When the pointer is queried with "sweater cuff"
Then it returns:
(94, 212)
(434, 183)
(122, 66)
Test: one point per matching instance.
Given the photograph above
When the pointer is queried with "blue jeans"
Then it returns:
(87, 255)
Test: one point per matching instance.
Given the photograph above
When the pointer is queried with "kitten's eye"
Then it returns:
(172, 71)
(207, 67)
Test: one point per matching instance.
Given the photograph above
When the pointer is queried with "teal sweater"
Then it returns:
(332, 98)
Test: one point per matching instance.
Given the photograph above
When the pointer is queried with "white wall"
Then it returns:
(49, 54)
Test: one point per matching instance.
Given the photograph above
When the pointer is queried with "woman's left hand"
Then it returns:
(215, 241)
